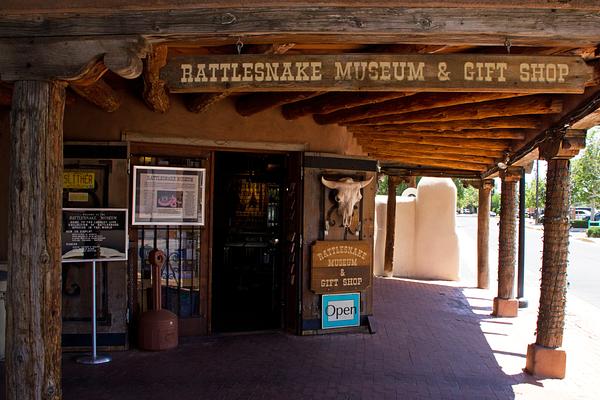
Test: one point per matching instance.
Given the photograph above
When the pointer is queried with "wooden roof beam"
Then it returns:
(445, 142)
(439, 156)
(461, 165)
(254, 103)
(330, 102)
(155, 93)
(410, 147)
(522, 122)
(418, 102)
(376, 130)
(389, 24)
(530, 105)
(199, 103)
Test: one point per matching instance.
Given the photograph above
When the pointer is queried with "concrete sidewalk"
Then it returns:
(434, 341)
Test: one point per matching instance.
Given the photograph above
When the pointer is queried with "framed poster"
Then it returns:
(168, 196)
(94, 234)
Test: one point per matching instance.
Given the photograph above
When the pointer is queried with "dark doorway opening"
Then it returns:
(247, 273)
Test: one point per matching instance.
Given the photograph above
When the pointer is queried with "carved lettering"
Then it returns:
(413, 72)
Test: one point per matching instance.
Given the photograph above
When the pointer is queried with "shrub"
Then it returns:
(594, 232)
(579, 223)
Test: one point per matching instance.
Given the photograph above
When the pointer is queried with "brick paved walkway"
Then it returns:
(434, 341)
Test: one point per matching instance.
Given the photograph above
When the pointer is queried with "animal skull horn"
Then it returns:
(348, 194)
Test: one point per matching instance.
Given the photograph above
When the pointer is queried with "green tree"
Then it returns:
(469, 198)
(530, 193)
(383, 186)
(496, 202)
(585, 172)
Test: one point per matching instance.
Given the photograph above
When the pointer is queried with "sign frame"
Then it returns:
(125, 213)
(177, 191)
(326, 299)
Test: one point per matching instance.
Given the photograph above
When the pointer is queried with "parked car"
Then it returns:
(492, 214)
(582, 214)
(597, 216)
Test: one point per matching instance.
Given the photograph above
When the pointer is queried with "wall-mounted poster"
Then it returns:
(94, 234)
(168, 196)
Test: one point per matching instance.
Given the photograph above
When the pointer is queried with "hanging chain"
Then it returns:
(507, 44)
(239, 44)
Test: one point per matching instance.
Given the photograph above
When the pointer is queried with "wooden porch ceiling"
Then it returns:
(453, 133)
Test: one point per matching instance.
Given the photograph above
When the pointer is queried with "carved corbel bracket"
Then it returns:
(485, 184)
(90, 85)
(155, 93)
(511, 174)
(565, 147)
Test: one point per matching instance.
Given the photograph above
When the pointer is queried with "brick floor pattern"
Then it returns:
(432, 342)
(429, 345)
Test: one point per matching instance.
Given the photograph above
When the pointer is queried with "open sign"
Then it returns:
(340, 310)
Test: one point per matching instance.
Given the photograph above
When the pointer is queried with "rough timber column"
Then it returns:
(483, 234)
(33, 352)
(544, 357)
(390, 232)
(505, 304)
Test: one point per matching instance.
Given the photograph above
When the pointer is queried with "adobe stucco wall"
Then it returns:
(436, 241)
(426, 243)
(221, 122)
(86, 122)
(404, 239)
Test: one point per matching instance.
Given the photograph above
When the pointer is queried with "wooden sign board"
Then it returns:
(340, 266)
(377, 72)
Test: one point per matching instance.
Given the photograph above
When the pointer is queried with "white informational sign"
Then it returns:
(168, 196)
(94, 234)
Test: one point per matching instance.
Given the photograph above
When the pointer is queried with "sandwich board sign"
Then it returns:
(340, 310)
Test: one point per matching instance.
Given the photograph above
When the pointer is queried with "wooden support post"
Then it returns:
(33, 326)
(412, 181)
(483, 234)
(505, 304)
(390, 232)
(544, 357)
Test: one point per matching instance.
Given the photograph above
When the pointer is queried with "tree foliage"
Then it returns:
(585, 172)
(468, 197)
(496, 202)
(530, 193)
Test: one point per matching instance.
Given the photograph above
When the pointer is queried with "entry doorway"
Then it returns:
(247, 273)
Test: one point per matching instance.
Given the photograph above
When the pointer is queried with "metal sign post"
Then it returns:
(94, 234)
(94, 358)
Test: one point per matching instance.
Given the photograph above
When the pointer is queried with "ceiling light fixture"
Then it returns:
(504, 163)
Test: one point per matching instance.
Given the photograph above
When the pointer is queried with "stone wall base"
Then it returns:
(505, 307)
(546, 362)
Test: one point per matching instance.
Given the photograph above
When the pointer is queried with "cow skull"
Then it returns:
(348, 195)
